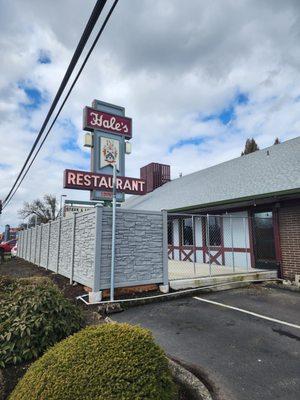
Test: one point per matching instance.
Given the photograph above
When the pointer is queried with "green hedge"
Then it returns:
(107, 362)
(34, 315)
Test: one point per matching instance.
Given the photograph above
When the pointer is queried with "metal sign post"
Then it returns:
(113, 234)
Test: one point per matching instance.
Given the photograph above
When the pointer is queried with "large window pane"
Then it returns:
(215, 233)
(170, 232)
(187, 232)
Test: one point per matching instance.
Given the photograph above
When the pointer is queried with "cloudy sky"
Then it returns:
(197, 77)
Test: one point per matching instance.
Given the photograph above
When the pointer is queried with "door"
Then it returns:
(264, 242)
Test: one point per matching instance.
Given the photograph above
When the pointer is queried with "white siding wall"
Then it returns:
(198, 239)
(238, 239)
(176, 237)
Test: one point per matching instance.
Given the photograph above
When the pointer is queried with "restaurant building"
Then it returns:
(244, 212)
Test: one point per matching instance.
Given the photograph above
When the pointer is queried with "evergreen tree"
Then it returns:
(277, 141)
(250, 146)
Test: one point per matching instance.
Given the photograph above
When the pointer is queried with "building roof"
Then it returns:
(274, 170)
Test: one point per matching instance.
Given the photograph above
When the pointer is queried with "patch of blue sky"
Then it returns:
(225, 117)
(297, 99)
(35, 97)
(44, 57)
(70, 142)
(4, 166)
(228, 113)
(194, 141)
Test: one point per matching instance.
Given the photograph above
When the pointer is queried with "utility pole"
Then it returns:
(113, 234)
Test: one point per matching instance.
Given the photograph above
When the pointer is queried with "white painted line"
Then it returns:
(278, 321)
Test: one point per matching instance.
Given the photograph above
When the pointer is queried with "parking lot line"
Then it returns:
(278, 321)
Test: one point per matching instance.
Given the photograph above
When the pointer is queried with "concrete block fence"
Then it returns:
(79, 247)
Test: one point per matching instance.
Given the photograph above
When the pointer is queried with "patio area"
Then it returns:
(187, 270)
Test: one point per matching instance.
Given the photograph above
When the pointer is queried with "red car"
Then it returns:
(6, 247)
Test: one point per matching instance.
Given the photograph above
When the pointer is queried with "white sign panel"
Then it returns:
(110, 152)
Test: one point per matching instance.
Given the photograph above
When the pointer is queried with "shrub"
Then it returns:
(34, 315)
(107, 362)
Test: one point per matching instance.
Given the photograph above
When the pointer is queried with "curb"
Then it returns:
(105, 306)
(290, 288)
(188, 380)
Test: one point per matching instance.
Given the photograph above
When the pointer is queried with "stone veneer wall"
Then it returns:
(79, 247)
(139, 248)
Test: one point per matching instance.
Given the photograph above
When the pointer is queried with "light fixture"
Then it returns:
(128, 148)
(88, 140)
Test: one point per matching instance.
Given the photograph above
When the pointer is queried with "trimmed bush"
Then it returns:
(34, 315)
(107, 362)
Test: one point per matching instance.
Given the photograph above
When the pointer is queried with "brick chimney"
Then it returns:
(155, 175)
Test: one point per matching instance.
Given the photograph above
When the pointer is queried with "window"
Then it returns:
(170, 233)
(214, 231)
(187, 232)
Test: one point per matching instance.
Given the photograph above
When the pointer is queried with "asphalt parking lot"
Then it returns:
(243, 355)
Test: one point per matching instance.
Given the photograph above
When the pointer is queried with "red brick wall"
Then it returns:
(289, 228)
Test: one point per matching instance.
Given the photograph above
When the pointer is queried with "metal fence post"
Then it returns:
(48, 245)
(73, 248)
(113, 236)
(207, 242)
(246, 245)
(58, 244)
(194, 244)
(232, 247)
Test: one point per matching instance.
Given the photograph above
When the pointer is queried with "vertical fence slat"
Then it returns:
(40, 246)
(48, 245)
(73, 248)
(58, 244)
(97, 250)
(165, 247)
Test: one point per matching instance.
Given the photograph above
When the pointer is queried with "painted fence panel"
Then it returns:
(44, 243)
(65, 249)
(53, 246)
(84, 248)
(139, 250)
(79, 247)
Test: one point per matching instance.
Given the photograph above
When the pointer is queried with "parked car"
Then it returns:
(6, 247)
(14, 250)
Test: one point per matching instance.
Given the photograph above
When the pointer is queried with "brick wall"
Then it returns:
(289, 228)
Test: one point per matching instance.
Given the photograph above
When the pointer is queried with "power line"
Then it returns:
(81, 45)
(67, 96)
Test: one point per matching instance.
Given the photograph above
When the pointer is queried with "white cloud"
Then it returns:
(170, 63)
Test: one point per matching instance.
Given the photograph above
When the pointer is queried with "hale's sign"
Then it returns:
(91, 181)
(94, 119)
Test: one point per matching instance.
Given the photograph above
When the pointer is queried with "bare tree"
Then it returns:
(250, 147)
(43, 210)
